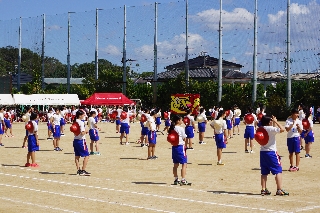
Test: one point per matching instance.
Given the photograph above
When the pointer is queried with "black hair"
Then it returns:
(33, 116)
(153, 113)
(174, 122)
(201, 110)
(220, 113)
(78, 113)
(308, 113)
(188, 111)
(249, 110)
(92, 112)
(57, 108)
(265, 120)
(294, 111)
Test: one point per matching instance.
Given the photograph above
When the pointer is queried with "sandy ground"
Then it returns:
(124, 181)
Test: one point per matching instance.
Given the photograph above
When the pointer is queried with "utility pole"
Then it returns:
(42, 52)
(124, 58)
(255, 55)
(96, 57)
(19, 56)
(187, 52)
(220, 57)
(68, 56)
(155, 49)
(288, 57)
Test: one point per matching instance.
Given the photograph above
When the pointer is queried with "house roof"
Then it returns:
(24, 78)
(203, 61)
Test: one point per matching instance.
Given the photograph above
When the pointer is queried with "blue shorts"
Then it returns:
(7, 123)
(202, 127)
(96, 119)
(118, 122)
(236, 122)
(293, 144)
(259, 124)
(49, 125)
(94, 136)
(141, 124)
(27, 133)
(144, 131)
(229, 124)
(249, 132)
(80, 148)
(32, 144)
(1, 129)
(270, 162)
(179, 154)
(62, 122)
(56, 133)
(309, 138)
(124, 128)
(158, 120)
(220, 141)
(167, 122)
(152, 137)
(189, 131)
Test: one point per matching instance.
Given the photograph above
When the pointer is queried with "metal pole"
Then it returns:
(42, 52)
(19, 56)
(187, 51)
(155, 60)
(124, 59)
(220, 57)
(68, 56)
(97, 43)
(255, 55)
(288, 57)
(269, 59)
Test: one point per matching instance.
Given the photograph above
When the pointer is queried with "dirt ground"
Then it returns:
(123, 180)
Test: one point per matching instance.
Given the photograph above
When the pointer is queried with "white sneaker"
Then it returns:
(251, 151)
(127, 143)
(202, 142)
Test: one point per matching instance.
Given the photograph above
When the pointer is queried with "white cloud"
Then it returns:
(111, 50)
(239, 18)
(295, 9)
(54, 27)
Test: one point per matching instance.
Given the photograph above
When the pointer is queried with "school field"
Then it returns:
(122, 180)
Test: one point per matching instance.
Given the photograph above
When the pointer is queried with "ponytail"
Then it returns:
(174, 122)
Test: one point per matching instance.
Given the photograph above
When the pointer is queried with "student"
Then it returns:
(124, 127)
(27, 119)
(33, 142)
(190, 130)
(2, 124)
(8, 124)
(55, 122)
(167, 122)
(302, 109)
(249, 130)
(202, 125)
(118, 121)
(236, 119)
(308, 135)
(260, 114)
(152, 135)
(269, 158)
(63, 113)
(93, 132)
(294, 128)
(158, 119)
(50, 128)
(229, 117)
(179, 152)
(80, 146)
(144, 129)
(220, 131)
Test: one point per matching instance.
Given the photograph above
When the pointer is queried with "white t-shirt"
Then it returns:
(230, 116)
(93, 109)
(191, 118)
(152, 124)
(49, 115)
(301, 115)
(35, 128)
(237, 113)
(82, 128)
(91, 123)
(204, 117)
(181, 133)
(27, 117)
(293, 132)
(74, 112)
(1, 117)
(56, 119)
(254, 120)
(119, 112)
(219, 126)
(271, 145)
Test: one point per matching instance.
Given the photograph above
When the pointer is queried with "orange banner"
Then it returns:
(181, 102)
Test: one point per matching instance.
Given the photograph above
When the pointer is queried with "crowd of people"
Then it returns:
(181, 131)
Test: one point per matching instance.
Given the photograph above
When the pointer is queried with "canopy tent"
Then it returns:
(46, 99)
(6, 99)
(108, 99)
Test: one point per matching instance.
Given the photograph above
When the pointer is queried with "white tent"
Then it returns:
(46, 99)
(6, 99)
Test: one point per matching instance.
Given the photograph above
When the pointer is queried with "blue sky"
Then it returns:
(203, 35)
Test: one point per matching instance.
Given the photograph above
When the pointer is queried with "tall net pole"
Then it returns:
(255, 55)
(42, 49)
(187, 52)
(19, 56)
(124, 59)
(96, 56)
(220, 57)
(155, 49)
(288, 57)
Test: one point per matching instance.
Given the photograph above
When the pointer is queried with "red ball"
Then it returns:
(123, 115)
(115, 113)
(173, 138)
(75, 128)
(29, 126)
(186, 120)
(249, 119)
(305, 124)
(261, 136)
(259, 117)
(6, 115)
(143, 118)
(165, 115)
(227, 113)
